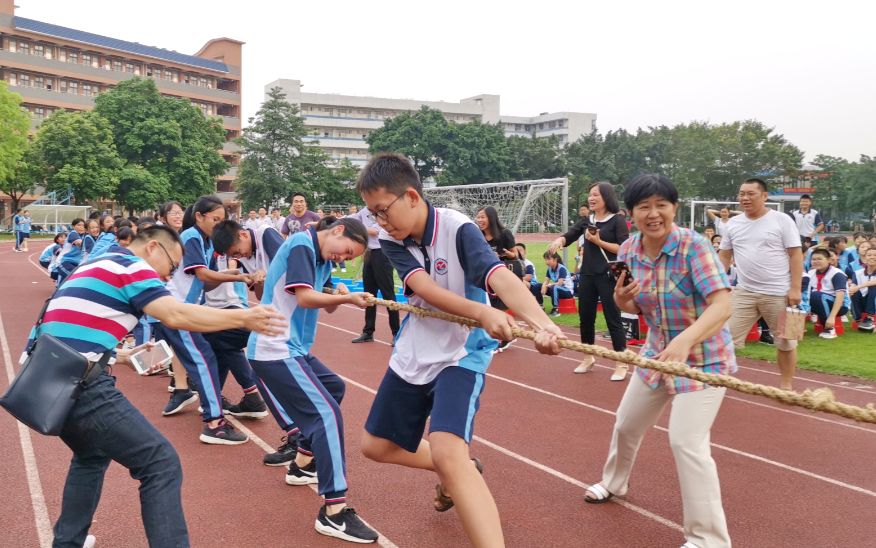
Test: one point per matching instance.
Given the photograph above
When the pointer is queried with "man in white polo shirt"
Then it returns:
(765, 246)
(809, 221)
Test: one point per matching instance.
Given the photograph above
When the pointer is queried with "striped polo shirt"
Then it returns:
(298, 263)
(454, 253)
(101, 302)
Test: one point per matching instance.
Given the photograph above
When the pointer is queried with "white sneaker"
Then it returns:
(828, 334)
(343, 270)
(334, 270)
(89, 541)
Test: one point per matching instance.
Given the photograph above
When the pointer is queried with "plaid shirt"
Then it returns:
(674, 290)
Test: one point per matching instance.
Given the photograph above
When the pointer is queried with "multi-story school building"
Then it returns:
(341, 123)
(54, 67)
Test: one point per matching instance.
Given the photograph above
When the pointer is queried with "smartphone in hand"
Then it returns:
(616, 267)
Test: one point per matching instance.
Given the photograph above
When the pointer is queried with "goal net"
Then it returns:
(55, 218)
(533, 206)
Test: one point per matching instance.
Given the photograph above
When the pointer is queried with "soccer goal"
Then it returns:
(55, 218)
(697, 216)
(533, 206)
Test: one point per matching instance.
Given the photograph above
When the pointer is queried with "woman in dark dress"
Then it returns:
(604, 230)
(501, 241)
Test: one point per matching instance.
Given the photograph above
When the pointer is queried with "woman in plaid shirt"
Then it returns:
(682, 291)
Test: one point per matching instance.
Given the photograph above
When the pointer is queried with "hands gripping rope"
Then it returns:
(821, 399)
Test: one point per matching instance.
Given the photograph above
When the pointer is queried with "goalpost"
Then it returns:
(532, 206)
(701, 218)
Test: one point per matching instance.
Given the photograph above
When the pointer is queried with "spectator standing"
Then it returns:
(252, 221)
(24, 230)
(765, 247)
(264, 218)
(809, 222)
(377, 274)
(298, 216)
(16, 228)
(720, 218)
(603, 231)
(277, 220)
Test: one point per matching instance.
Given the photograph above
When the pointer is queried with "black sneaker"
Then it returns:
(284, 454)
(866, 325)
(223, 434)
(364, 337)
(179, 399)
(766, 337)
(345, 525)
(301, 476)
(251, 406)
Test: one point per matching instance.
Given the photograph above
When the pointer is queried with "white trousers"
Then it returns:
(690, 422)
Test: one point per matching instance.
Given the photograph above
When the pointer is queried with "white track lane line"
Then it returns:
(381, 539)
(812, 416)
(37, 499)
(745, 454)
(555, 473)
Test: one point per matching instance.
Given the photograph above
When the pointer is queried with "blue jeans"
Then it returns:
(104, 426)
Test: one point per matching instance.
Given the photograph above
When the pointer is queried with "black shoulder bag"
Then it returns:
(49, 383)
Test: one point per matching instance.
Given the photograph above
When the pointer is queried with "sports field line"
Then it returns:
(381, 540)
(543, 468)
(745, 454)
(37, 499)
(570, 331)
(811, 416)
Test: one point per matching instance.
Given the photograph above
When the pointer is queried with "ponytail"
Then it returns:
(353, 228)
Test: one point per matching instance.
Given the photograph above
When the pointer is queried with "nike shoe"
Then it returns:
(828, 334)
(345, 525)
(301, 476)
(766, 337)
(223, 434)
(284, 454)
(179, 399)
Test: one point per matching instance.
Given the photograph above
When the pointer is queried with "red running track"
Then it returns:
(789, 477)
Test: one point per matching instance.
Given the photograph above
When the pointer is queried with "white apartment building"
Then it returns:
(341, 123)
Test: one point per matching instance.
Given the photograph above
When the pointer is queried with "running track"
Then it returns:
(789, 478)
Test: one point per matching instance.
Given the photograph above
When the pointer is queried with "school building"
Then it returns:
(54, 67)
(341, 123)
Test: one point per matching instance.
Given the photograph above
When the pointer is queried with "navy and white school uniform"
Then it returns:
(228, 345)
(291, 378)
(71, 256)
(864, 300)
(437, 368)
(563, 290)
(16, 227)
(822, 292)
(87, 246)
(48, 254)
(103, 243)
(192, 349)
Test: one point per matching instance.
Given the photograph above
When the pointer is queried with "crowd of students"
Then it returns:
(185, 277)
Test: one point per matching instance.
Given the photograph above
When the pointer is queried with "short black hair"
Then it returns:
(710, 226)
(520, 244)
(158, 232)
(76, 221)
(225, 234)
(643, 186)
(125, 233)
(715, 236)
(821, 251)
(806, 197)
(298, 194)
(390, 171)
(760, 182)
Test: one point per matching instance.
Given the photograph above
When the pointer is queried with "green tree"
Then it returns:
(861, 177)
(534, 158)
(167, 144)
(476, 153)
(336, 184)
(277, 160)
(76, 150)
(423, 136)
(586, 161)
(14, 124)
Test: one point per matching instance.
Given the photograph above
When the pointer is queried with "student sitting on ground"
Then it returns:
(557, 281)
(862, 289)
(827, 292)
(50, 252)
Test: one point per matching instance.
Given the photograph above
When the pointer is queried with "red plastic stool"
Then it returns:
(754, 334)
(837, 326)
(568, 306)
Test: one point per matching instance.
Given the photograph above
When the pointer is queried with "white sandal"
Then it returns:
(586, 365)
(600, 494)
(620, 371)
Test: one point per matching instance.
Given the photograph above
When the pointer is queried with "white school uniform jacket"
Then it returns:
(455, 255)
(861, 277)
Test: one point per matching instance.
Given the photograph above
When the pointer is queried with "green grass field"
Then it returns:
(853, 353)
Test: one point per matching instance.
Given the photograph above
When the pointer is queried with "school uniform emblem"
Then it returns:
(441, 266)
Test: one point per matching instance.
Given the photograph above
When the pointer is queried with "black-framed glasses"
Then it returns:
(382, 213)
(173, 266)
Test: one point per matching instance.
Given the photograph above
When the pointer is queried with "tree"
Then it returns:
(276, 159)
(14, 124)
(476, 153)
(423, 136)
(167, 144)
(861, 178)
(534, 158)
(337, 184)
(75, 150)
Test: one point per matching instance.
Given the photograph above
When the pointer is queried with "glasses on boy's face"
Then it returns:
(173, 266)
(384, 213)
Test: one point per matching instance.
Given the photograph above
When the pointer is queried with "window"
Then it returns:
(39, 112)
(24, 47)
(88, 89)
(117, 65)
(39, 82)
(13, 79)
(202, 82)
(24, 80)
(13, 46)
(73, 57)
(39, 49)
(87, 58)
(129, 67)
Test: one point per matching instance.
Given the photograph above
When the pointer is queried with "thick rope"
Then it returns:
(821, 399)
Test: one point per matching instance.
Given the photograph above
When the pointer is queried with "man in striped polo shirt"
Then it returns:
(93, 310)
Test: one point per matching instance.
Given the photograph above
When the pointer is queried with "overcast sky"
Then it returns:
(805, 68)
